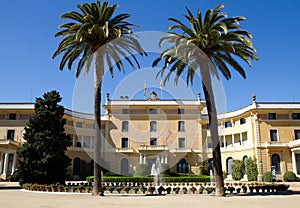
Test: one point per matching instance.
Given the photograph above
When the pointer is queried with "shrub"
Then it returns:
(203, 168)
(267, 177)
(289, 176)
(142, 170)
(237, 169)
(251, 168)
(224, 174)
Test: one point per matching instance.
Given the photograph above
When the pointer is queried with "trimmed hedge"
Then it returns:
(267, 177)
(289, 176)
(150, 179)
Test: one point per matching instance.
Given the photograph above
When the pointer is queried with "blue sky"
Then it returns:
(27, 44)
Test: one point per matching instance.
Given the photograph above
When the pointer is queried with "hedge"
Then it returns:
(150, 179)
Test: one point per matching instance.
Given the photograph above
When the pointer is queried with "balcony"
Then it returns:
(125, 150)
(181, 150)
(274, 144)
(153, 147)
(295, 143)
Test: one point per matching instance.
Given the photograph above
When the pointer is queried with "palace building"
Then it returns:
(173, 132)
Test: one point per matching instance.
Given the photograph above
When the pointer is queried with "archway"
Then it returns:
(182, 166)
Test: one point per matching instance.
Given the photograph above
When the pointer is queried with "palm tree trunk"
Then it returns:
(213, 121)
(98, 72)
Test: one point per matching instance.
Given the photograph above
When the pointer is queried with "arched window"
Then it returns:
(76, 166)
(229, 162)
(153, 126)
(182, 166)
(276, 163)
(245, 159)
(124, 166)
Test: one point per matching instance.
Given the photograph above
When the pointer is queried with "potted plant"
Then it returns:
(135, 190)
(73, 189)
(238, 190)
(201, 189)
(53, 187)
(143, 189)
(151, 189)
(244, 188)
(48, 188)
(80, 188)
(251, 188)
(193, 189)
(257, 188)
(126, 189)
(160, 189)
(67, 189)
(209, 189)
(60, 188)
(184, 190)
(88, 189)
(168, 189)
(176, 190)
(231, 189)
(111, 189)
(119, 189)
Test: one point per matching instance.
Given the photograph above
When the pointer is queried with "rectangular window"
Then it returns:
(180, 111)
(181, 142)
(79, 124)
(153, 111)
(125, 111)
(181, 126)
(272, 116)
(153, 141)
(297, 134)
(12, 116)
(124, 126)
(273, 135)
(124, 143)
(296, 116)
(153, 126)
(242, 121)
(11, 134)
(227, 124)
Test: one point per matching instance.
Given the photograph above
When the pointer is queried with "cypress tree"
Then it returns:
(42, 159)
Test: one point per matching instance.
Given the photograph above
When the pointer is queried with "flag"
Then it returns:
(161, 84)
(145, 89)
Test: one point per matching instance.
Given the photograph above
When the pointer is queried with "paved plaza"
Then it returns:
(15, 198)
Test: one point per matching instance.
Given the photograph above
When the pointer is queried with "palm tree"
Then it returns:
(206, 44)
(95, 33)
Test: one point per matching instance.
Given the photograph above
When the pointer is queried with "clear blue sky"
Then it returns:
(27, 44)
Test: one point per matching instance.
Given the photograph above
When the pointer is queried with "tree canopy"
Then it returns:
(42, 159)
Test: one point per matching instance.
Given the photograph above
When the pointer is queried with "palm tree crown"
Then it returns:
(93, 28)
(220, 38)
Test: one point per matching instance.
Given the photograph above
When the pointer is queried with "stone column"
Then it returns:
(294, 162)
(232, 138)
(5, 163)
(166, 158)
(145, 159)
(14, 163)
(91, 142)
(224, 141)
(74, 145)
(141, 158)
(241, 139)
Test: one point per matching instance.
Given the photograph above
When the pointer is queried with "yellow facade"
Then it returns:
(175, 132)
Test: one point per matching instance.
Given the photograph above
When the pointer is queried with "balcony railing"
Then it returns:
(181, 150)
(153, 147)
(125, 150)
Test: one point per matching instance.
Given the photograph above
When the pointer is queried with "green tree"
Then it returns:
(237, 169)
(203, 168)
(94, 32)
(42, 159)
(251, 169)
(205, 44)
